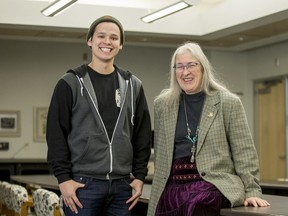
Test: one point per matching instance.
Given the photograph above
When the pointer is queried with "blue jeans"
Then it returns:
(102, 197)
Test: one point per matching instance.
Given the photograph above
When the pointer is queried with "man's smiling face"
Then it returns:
(105, 42)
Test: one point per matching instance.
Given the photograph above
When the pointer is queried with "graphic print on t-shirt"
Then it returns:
(118, 97)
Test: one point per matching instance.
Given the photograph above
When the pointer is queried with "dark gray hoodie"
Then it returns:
(85, 144)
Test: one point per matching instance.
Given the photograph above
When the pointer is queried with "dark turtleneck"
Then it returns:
(194, 105)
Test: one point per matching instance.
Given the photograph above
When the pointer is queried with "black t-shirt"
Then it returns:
(108, 97)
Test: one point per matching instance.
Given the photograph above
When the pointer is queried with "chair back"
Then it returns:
(4, 192)
(15, 200)
(2, 204)
(46, 202)
(19, 196)
(20, 203)
(5, 197)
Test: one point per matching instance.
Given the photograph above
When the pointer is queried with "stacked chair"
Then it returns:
(46, 203)
(3, 204)
(15, 200)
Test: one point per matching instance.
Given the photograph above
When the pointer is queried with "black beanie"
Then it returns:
(106, 18)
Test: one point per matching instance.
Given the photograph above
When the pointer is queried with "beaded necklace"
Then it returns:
(193, 139)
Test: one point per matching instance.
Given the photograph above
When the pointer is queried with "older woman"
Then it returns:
(205, 157)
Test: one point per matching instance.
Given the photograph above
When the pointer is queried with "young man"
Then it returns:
(99, 129)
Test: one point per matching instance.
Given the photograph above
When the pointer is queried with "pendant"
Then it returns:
(193, 149)
(188, 132)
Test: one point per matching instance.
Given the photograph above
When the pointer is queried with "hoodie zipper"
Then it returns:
(82, 84)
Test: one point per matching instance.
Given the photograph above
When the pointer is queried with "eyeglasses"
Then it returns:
(190, 67)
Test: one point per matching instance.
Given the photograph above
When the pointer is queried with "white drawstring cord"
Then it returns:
(132, 102)
(81, 83)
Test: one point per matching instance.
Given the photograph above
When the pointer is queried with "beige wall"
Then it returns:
(29, 71)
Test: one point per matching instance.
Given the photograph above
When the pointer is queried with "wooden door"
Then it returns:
(270, 127)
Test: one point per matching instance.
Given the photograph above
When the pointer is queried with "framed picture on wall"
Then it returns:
(40, 119)
(9, 123)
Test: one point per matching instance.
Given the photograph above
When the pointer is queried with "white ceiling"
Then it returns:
(209, 19)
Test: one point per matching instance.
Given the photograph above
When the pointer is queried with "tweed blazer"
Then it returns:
(226, 155)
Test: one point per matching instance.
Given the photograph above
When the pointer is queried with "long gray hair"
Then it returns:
(209, 82)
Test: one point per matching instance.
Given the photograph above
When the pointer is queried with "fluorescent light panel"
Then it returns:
(165, 12)
(57, 7)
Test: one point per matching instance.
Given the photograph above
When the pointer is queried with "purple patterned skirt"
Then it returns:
(187, 194)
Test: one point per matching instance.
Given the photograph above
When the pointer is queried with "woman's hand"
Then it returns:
(255, 201)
